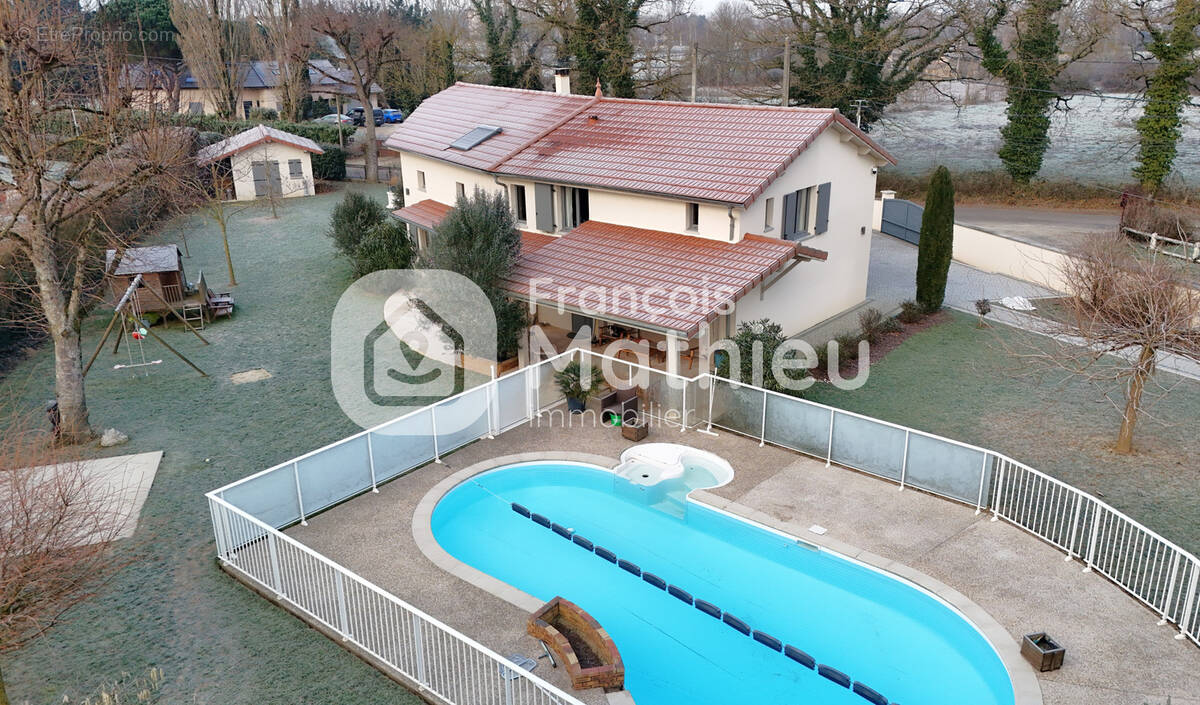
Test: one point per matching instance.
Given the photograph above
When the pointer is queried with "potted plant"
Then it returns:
(576, 389)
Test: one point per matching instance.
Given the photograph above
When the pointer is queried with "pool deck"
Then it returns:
(1116, 653)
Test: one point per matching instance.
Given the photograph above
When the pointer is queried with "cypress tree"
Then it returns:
(937, 241)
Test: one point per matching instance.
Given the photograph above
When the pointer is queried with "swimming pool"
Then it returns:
(887, 634)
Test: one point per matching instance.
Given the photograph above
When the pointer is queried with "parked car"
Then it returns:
(393, 115)
(332, 119)
(359, 116)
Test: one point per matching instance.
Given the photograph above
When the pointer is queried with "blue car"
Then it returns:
(393, 115)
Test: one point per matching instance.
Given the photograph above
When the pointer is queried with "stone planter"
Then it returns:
(1043, 652)
(581, 644)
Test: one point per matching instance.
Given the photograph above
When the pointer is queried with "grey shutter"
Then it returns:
(789, 214)
(822, 208)
(543, 204)
(276, 181)
(295, 169)
(259, 171)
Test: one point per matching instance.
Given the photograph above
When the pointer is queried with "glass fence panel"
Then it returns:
(270, 497)
(462, 420)
(402, 445)
(947, 468)
(796, 424)
(511, 400)
(868, 445)
(334, 474)
(737, 408)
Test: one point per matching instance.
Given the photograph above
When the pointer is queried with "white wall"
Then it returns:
(814, 291)
(243, 173)
(1020, 260)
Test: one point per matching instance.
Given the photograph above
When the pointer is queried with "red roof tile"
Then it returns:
(661, 280)
(702, 151)
(429, 213)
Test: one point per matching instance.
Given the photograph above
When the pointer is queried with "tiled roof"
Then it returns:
(251, 138)
(429, 213)
(702, 151)
(663, 280)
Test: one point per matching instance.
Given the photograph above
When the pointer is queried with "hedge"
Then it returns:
(330, 166)
(314, 131)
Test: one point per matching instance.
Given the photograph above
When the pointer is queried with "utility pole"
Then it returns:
(858, 104)
(694, 52)
(785, 97)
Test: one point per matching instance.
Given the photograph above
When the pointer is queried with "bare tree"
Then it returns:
(73, 154)
(285, 36)
(215, 43)
(57, 524)
(1122, 314)
(360, 37)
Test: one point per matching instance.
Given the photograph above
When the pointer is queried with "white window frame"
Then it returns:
(420, 180)
(692, 217)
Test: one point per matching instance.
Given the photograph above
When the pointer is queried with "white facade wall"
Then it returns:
(815, 291)
(243, 173)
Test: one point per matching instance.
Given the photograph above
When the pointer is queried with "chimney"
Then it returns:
(562, 80)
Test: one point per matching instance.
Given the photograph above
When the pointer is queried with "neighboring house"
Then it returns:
(767, 207)
(263, 161)
(161, 86)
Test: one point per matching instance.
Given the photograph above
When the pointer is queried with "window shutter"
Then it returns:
(822, 208)
(543, 205)
(789, 214)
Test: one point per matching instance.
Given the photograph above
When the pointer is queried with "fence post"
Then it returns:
(343, 618)
(683, 409)
(276, 577)
(1187, 623)
(829, 449)
(1170, 588)
(904, 460)
(437, 458)
(999, 490)
(982, 481)
(1074, 526)
(1092, 541)
(299, 494)
(371, 460)
(712, 385)
(762, 436)
(489, 393)
(419, 647)
(213, 512)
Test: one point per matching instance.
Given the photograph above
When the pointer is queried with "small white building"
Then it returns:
(262, 161)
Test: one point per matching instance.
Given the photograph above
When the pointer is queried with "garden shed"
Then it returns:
(264, 161)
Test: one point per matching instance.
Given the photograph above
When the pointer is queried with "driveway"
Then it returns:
(1057, 229)
(893, 274)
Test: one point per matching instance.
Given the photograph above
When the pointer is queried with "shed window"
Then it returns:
(295, 169)
(693, 216)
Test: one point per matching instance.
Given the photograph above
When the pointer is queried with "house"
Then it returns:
(673, 220)
(254, 162)
(161, 267)
(162, 85)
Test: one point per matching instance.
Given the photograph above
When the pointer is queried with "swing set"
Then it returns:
(129, 314)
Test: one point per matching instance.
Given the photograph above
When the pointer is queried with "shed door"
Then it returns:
(259, 171)
(276, 181)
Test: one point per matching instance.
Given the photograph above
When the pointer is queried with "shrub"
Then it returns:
(352, 219)
(874, 325)
(264, 114)
(769, 335)
(910, 312)
(384, 246)
(330, 166)
(847, 348)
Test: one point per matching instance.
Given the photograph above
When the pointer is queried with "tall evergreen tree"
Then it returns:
(937, 241)
(502, 36)
(602, 46)
(1176, 46)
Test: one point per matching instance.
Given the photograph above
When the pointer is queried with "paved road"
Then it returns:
(893, 275)
(1055, 228)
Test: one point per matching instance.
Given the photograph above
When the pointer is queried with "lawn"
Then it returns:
(962, 382)
(215, 641)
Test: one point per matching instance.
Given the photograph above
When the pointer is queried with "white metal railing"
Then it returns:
(247, 514)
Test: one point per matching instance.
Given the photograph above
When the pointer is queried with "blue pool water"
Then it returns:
(892, 636)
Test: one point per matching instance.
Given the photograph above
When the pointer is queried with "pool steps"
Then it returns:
(791, 652)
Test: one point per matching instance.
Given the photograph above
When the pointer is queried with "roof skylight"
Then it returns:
(475, 137)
